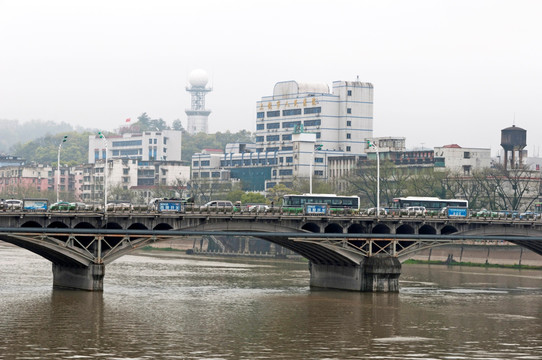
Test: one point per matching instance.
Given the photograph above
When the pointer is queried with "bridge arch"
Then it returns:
(356, 229)
(333, 228)
(311, 227)
(30, 224)
(427, 230)
(137, 226)
(448, 230)
(381, 229)
(162, 226)
(405, 229)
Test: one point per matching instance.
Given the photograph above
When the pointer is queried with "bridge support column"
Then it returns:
(378, 273)
(82, 278)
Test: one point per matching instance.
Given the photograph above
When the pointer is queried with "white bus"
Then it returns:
(430, 203)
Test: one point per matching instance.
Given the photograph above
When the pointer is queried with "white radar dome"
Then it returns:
(198, 78)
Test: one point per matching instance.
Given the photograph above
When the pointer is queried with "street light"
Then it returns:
(102, 136)
(64, 139)
(373, 145)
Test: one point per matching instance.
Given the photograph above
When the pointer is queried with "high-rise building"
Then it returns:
(197, 115)
(341, 119)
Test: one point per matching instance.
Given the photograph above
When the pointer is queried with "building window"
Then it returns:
(270, 149)
(318, 160)
(349, 93)
(291, 112)
(312, 122)
(319, 172)
(287, 137)
(215, 174)
(318, 135)
(348, 123)
(196, 163)
(466, 169)
(287, 148)
(260, 115)
(289, 159)
(273, 113)
(205, 163)
(349, 136)
(259, 127)
(314, 110)
(272, 137)
(348, 148)
(466, 155)
(259, 138)
(290, 124)
(273, 126)
(285, 172)
(349, 110)
(150, 141)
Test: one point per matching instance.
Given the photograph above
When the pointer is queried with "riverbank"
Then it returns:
(490, 255)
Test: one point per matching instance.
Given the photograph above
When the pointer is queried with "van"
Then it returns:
(416, 210)
(218, 204)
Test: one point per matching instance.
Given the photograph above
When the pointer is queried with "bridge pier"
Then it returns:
(81, 278)
(378, 273)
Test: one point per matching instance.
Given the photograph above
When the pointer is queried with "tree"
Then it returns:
(276, 193)
(302, 186)
(177, 125)
(253, 198)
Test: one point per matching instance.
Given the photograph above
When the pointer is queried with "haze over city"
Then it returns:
(443, 72)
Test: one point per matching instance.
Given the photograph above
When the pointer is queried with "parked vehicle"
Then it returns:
(62, 205)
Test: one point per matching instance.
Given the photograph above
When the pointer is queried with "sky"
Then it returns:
(444, 72)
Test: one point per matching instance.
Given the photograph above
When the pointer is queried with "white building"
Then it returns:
(130, 174)
(145, 146)
(341, 119)
(462, 160)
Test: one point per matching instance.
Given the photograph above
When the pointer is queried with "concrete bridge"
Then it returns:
(350, 252)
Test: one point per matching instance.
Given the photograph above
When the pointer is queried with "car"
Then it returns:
(529, 215)
(486, 213)
(258, 208)
(372, 211)
(218, 204)
(12, 204)
(62, 205)
(78, 206)
(416, 210)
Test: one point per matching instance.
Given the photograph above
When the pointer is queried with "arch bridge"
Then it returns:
(350, 252)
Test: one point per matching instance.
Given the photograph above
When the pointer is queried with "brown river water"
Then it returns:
(167, 305)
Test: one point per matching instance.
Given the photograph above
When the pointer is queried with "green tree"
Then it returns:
(253, 198)
(276, 193)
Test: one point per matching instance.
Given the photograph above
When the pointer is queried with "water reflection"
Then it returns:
(167, 306)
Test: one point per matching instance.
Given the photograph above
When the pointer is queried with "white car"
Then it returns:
(258, 208)
(416, 210)
(13, 204)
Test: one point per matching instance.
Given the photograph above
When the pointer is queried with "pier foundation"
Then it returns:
(89, 278)
(378, 273)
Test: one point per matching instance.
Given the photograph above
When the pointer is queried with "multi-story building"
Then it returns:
(143, 146)
(18, 179)
(341, 119)
(130, 174)
(462, 160)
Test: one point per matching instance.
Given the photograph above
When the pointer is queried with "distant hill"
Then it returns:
(15, 132)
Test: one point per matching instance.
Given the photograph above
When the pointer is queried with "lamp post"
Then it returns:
(102, 136)
(373, 145)
(64, 139)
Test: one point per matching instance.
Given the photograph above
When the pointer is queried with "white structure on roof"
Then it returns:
(197, 115)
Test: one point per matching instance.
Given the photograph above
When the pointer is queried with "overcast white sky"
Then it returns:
(443, 71)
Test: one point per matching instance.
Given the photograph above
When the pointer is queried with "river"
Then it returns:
(167, 305)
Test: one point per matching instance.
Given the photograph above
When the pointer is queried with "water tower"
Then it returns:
(197, 115)
(513, 140)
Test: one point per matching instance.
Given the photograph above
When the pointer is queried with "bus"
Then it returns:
(298, 203)
(431, 204)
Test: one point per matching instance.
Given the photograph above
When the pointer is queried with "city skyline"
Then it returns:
(442, 72)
